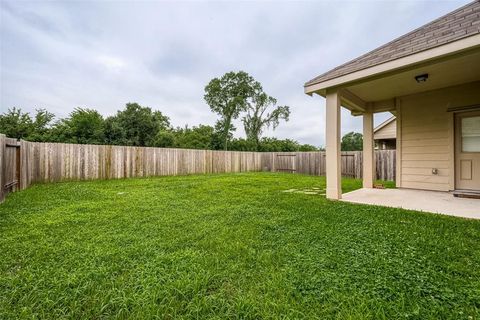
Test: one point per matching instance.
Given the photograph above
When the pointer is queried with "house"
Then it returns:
(385, 135)
(430, 80)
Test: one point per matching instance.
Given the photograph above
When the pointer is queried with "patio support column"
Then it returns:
(368, 151)
(333, 160)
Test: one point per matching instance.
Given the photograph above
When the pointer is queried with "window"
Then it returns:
(471, 134)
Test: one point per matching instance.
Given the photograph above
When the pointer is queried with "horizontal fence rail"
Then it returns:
(23, 163)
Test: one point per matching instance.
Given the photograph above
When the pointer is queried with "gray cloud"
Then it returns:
(61, 55)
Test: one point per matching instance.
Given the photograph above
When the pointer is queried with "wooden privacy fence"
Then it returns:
(9, 165)
(313, 163)
(386, 164)
(23, 163)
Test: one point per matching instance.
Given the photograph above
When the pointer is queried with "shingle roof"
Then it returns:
(458, 24)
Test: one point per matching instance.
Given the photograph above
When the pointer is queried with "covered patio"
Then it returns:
(430, 80)
(419, 200)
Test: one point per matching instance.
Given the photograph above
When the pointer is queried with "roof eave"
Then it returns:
(390, 67)
(384, 124)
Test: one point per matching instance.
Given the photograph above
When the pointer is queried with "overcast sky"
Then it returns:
(60, 55)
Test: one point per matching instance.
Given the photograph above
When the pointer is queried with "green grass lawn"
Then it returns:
(229, 246)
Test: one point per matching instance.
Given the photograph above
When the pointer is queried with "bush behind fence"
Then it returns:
(23, 163)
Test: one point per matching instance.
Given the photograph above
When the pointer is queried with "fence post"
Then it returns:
(2, 167)
(17, 169)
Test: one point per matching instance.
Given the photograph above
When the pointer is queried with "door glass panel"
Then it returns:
(471, 134)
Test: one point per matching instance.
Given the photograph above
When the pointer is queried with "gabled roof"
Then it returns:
(384, 123)
(461, 23)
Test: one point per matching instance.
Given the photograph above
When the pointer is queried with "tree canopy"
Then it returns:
(147, 128)
(17, 124)
(84, 126)
(352, 141)
(228, 96)
(258, 118)
(136, 126)
(231, 96)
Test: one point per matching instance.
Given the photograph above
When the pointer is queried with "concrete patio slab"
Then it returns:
(420, 200)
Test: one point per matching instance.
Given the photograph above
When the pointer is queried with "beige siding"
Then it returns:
(387, 132)
(427, 136)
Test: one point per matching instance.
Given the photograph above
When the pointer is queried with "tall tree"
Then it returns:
(258, 118)
(352, 141)
(227, 96)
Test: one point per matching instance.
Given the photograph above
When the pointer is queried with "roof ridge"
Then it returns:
(315, 80)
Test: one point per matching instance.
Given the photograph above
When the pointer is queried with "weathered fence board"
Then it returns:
(32, 162)
(313, 163)
(286, 162)
(50, 162)
(385, 164)
(2, 167)
(12, 165)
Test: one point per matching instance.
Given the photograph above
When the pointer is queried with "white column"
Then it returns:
(333, 160)
(368, 151)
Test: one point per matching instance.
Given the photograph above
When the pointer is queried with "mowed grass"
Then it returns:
(229, 246)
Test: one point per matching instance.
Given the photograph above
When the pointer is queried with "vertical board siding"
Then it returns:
(53, 162)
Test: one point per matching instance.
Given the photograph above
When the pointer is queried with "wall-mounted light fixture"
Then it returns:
(421, 77)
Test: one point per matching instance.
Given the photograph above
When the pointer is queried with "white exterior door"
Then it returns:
(467, 151)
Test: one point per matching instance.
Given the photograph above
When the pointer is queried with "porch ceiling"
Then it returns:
(455, 70)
